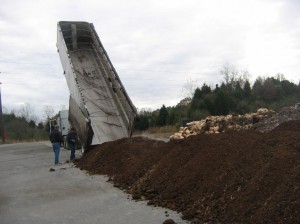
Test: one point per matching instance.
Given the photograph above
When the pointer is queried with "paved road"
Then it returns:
(30, 193)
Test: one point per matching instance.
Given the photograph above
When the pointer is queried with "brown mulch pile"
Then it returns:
(232, 177)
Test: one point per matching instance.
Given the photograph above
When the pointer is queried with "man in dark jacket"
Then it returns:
(72, 143)
(56, 138)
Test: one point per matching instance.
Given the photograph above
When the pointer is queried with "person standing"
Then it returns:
(56, 138)
(72, 143)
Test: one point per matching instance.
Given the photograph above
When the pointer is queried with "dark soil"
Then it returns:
(232, 177)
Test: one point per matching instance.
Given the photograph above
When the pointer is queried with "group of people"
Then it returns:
(56, 139)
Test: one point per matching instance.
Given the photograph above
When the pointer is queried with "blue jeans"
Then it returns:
(72, 148)
(56, 150)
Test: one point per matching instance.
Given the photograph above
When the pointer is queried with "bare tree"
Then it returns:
(232, 77)
(244, 77)
(27, 112)
(280, 77)
(229, 73)
(189, 88)
(49, 111)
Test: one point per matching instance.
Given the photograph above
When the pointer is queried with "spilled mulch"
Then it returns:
(232, 177)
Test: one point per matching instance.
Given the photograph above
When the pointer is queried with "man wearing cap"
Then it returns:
(56, 138)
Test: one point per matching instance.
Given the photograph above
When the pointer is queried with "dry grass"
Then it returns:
(164, 129)
(158, 132)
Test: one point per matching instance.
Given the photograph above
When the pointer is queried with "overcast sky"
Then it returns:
(156, 46)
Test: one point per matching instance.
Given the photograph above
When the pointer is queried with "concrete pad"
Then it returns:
(31, 193)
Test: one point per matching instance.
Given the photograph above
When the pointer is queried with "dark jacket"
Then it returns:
(55, 136)
(72, 138)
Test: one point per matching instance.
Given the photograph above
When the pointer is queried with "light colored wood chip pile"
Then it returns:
(217, 124)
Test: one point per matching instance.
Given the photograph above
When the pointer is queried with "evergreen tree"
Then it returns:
(222, 103)
(205, 89)
(195, 104)
(238, 91)
(288, 88)
(40, 126)
(247, 90)
(141, 123)
(271, 90)
(257, 88)
(32, 124)
(162, 116)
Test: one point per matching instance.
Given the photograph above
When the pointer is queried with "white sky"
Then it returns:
(156, 46)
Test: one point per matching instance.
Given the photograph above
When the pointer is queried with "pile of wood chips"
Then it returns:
(218, 124)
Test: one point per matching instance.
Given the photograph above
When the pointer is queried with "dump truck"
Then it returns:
(63, 122)
(100, 109)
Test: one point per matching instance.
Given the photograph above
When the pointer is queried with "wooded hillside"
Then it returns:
(234, 96)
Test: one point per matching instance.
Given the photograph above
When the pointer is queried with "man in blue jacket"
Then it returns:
(72, 143)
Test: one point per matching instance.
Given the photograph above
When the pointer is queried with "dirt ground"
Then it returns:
(232, 177)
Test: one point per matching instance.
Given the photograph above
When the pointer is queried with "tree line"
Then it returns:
(18, 129)
(23, 125)
(235, 95)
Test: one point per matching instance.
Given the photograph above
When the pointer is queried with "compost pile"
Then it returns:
(232, 177)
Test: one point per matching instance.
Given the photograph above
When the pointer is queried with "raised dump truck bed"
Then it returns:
(99, 107)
